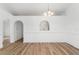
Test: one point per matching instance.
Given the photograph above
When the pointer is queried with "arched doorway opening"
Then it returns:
(18, 31)
(6, 33)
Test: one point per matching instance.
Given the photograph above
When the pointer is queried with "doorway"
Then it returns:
(18, 31)
(6, 33)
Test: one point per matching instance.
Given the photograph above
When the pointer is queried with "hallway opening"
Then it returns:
(6, 33)
(18, 31)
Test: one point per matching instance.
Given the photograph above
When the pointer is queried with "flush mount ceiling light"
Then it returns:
(49, 12)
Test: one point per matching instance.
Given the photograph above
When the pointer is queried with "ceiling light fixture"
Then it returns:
(49, 12)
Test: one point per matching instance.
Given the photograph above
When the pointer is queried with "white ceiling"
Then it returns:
(33, 9)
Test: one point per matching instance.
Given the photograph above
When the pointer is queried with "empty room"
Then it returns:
(39, 28)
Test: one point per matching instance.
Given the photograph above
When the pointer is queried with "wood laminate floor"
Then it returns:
(19, 48)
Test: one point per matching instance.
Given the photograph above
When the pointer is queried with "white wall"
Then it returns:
(58, 29)
(73, 17)
(3, 16)
(32, 23)
(62, 29)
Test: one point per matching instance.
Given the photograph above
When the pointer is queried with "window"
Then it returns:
(44, 25)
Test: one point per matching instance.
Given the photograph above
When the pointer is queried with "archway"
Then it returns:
(44, 25)
(18, 31)
(6, 33)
